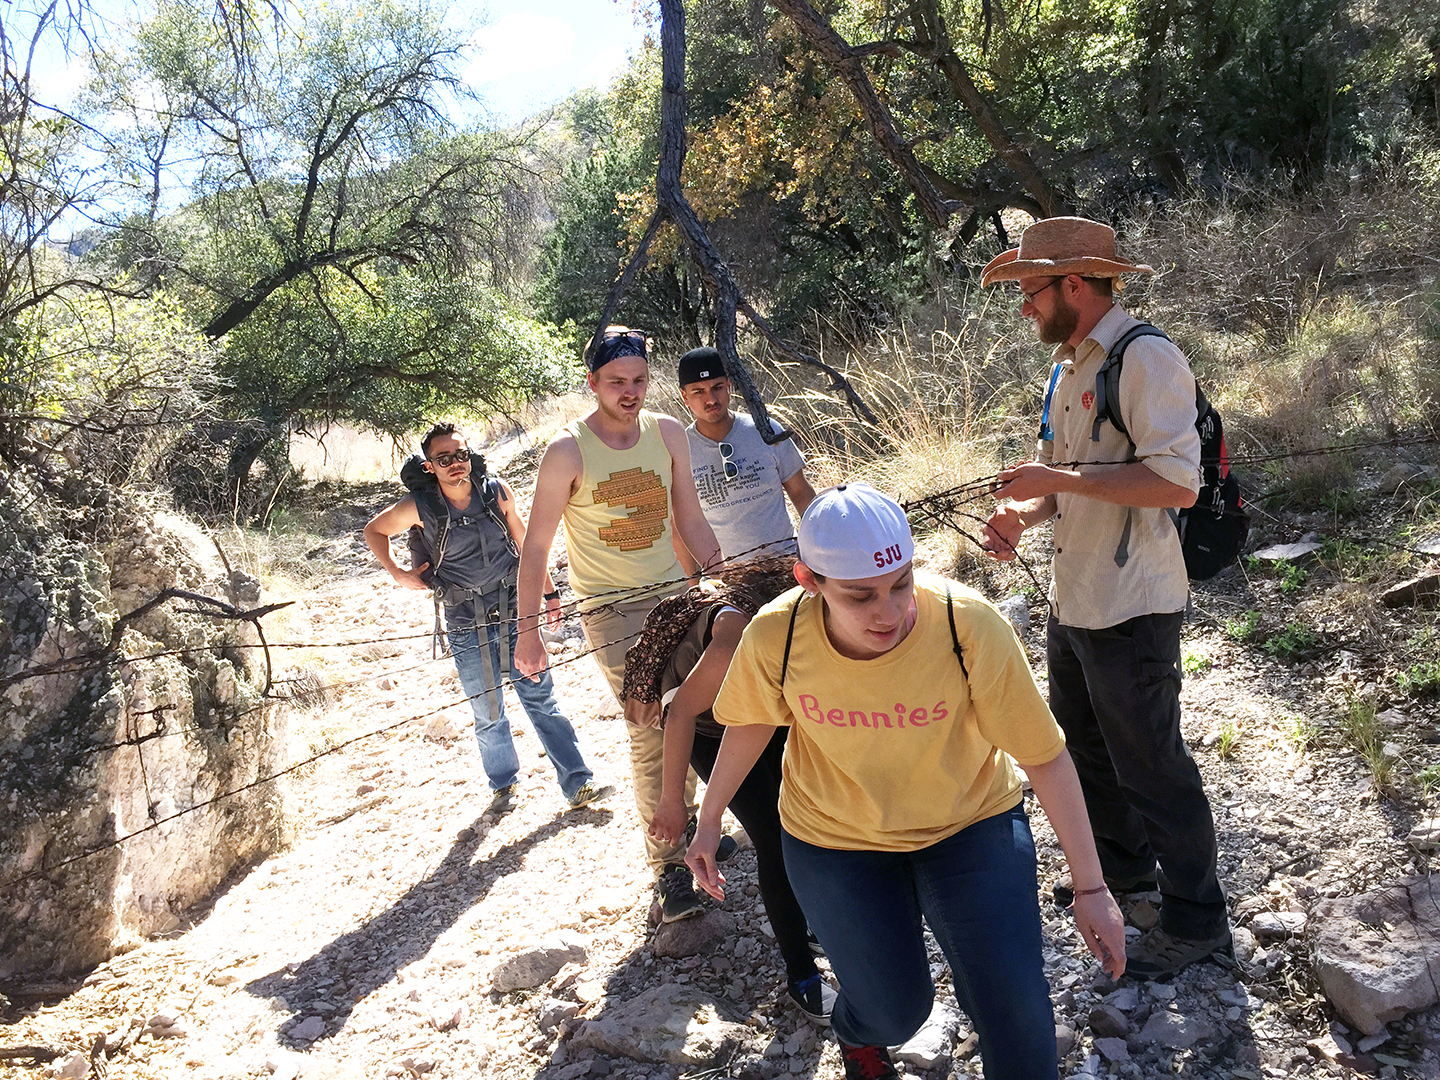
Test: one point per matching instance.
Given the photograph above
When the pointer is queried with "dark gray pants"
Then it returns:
(1116, 695)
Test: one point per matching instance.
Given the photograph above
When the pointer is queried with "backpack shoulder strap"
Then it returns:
(955, 637)
(490, 499)
(439, 508)
(790, 637)
(1107, 379)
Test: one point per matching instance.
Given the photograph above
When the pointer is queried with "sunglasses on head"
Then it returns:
(617, 343)
(446, 460)
(727, 452)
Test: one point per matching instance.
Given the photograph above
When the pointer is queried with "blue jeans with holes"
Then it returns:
(479, 667)
(976, 890)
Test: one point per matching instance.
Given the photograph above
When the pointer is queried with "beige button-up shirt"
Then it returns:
(1114, 562)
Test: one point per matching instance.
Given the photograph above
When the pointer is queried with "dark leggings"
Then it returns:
(755, 806)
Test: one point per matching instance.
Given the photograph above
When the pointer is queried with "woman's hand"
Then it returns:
(1103, 928)
(700, 857)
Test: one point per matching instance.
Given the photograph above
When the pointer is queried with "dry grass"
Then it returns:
(346, 455)
(1310, 320)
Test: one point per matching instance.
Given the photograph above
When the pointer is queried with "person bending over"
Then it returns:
(909, 700)
(680, 661)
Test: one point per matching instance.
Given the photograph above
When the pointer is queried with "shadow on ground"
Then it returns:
(330, 983)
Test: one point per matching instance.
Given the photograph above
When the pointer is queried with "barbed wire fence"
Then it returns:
(946, 508)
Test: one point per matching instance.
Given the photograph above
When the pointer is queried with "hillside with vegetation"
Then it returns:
(266, 225)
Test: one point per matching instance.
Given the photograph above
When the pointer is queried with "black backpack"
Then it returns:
(1213, 531)
(423, 485)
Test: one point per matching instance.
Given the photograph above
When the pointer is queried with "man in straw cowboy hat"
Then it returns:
(1119, 587)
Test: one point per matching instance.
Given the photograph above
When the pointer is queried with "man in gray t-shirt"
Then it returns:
(742, 483)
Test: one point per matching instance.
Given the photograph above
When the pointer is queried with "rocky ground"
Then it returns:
(406, 934)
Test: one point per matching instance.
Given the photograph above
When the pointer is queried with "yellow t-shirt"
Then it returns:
(901, 751)
(617, 524)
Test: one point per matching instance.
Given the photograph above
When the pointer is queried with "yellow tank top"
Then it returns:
(617, 524)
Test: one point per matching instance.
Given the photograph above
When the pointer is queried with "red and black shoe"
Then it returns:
(867, 1063)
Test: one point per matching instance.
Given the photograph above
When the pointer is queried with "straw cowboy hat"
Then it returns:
(1057, 247)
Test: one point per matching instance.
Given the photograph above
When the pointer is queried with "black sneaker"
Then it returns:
(677, 894)
(1064, 889)
(867, 1063)
(815, 997)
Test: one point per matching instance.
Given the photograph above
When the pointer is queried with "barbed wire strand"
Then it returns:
(155, 823)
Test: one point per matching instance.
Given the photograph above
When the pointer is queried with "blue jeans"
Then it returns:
(977, 892)
(479, 668)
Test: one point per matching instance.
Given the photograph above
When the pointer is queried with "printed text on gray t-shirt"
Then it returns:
(749, 510)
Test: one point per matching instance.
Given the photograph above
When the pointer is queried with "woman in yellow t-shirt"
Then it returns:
(909, 700)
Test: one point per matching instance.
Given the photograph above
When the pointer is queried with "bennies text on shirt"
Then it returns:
(811, 707)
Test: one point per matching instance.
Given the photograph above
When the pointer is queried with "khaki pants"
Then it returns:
(610, 632)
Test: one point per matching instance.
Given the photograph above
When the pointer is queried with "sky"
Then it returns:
(525, 56)
(535, 53)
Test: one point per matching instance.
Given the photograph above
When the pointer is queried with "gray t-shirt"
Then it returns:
(747, 509)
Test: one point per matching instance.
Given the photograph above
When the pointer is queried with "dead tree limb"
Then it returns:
(937, 196)
(848, 63)
(934, 44)
(672, 206)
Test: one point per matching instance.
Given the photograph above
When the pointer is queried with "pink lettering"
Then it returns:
(938, 712)
(879, 716)
(836, 717)
(864, 719)
(807, 703)
(917, 718)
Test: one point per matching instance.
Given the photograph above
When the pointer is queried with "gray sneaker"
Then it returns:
(677, 894)
(1157, 955)
(503, 801)
(589, 793)
(814, 997)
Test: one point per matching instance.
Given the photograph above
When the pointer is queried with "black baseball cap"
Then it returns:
(698, 365)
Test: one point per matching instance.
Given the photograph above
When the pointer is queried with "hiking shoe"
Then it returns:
(677, 894)
(589, 793)
(503, 801)
(815, 997)
(1157, 955)
(867, 1063)
(1063, 890)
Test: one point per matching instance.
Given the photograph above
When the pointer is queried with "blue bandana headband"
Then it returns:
(612, 348)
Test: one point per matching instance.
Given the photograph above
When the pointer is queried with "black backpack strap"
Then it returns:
(955, 637)
(439, 508)
(789, 637)
(490, 499)
(1107, 379)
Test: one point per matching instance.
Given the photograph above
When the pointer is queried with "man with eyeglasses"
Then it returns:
(620, 479)
(742, 482)
(1119, 587)
(475, 557)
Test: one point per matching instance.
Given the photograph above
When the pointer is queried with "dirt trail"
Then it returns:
(366, 949)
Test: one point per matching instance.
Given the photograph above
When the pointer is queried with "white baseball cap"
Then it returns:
(853, 531)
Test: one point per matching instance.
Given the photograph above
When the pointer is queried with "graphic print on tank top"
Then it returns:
(642, 492)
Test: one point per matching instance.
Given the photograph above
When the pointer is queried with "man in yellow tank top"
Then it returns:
(620, 479)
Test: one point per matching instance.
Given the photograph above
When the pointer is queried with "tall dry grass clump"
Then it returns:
(1312, 320)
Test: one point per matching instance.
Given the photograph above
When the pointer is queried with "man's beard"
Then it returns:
(1061, 324)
